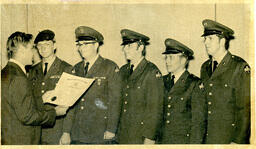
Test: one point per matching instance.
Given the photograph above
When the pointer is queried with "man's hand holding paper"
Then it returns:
(67, 90)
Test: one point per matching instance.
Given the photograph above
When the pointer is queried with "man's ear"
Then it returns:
(141, 47)
(222, 41)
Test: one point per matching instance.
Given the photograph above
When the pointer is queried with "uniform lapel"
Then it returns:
(54, 68)
(95, 67)
(180, 85)
(17, 67)
(223, 66)
(138, 71)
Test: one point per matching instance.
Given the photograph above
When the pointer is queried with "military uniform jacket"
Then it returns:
(142, 103)
(42, 84)
(228, 96)
(98, 109)
(20, 115)
(184, 118)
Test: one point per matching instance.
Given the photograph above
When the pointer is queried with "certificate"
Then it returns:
(68, 90)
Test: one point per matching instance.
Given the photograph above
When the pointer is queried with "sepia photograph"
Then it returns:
(118, 74)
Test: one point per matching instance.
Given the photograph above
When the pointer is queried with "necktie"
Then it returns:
(45, 68)
(169, 82)
(86, 68)
(131, 69)
(215, 64)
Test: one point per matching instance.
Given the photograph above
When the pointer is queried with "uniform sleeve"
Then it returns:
(24, 106)
(242, 126)
(154, 96)
(198, 112)
(114, 97)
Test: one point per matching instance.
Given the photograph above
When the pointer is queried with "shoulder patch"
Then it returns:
(247, 69)
(158, 74)
(201, 86)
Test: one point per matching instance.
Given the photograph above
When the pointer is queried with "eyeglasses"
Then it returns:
(80, 44)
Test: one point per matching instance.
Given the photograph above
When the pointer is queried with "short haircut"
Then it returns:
(15, 40)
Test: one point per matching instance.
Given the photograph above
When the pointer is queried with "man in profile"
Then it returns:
(20, 118)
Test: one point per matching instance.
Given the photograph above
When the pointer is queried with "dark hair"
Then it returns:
(227, 40)
(15, 40)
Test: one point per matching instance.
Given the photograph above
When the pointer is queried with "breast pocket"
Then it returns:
(183, 104)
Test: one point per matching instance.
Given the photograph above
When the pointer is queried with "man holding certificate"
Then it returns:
(94, 118)
(44, 77)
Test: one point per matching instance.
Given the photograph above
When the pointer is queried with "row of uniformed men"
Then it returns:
(133, 105)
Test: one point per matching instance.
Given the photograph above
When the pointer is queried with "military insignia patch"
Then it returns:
(247, 69)
(158, 74)
(117, 70)
(201, 86)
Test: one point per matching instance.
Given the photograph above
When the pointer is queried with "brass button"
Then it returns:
(82, 99)
(168, 114)
(211, 84)
(209, 112)
(124, 110)
(207, 134)
(141, 123)
(43, 83)
(233, 124)
(210, 93)
(169, 106)
(105, 117)
(82, 108)
(169, 97)
(187, 135)
(127, 86)
(125, 102)
(209, 103)
(226, 85)
(167, 121)
(138, 87)
(181, 98)
(42, 91)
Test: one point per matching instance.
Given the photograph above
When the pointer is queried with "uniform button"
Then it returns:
(82, 99)
(209, 103)
(168, 114)
(43, 83)
(82, 108)
(169, 97)
(126, 94)
(169, 106)
(181, 98)
(209, 112)
(167, 121)
(211, 84)
(138, 87)
(127, 86)
(233, 124)
(207, 134)
(141, 123)
(124, 110)
(105, 117)
(187, 135)
(226, 85)
(210, 93)
(42, 91)
(125, 102)
(232, 56)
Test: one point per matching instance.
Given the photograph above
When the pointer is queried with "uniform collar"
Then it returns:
(219, 57)
(50, 62)
(137, 63)
(19, 64)
(178, 75)
(91, 62)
